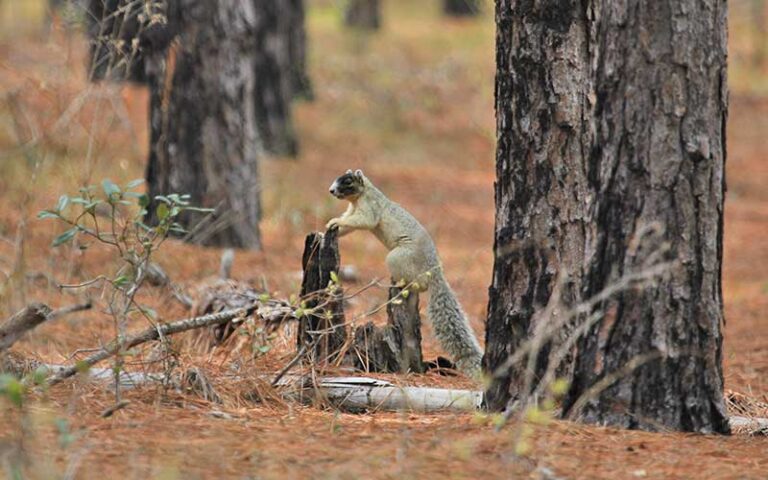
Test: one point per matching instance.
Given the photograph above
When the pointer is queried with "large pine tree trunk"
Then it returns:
(205, 141)
(611, 149)
(362, 14)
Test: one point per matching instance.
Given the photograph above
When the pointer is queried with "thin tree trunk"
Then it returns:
(363, 14)
(206, 143)
(461, 8)
(273, 88)
(611, 150)
(300, 83)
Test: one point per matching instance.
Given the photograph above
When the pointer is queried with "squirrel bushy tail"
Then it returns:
(452, 330)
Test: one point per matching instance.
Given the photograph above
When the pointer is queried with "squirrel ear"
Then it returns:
(359, 174)
(348, 172)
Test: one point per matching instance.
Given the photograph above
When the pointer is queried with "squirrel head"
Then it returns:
(348, 186)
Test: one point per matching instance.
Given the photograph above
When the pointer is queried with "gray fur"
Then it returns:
(412, 258)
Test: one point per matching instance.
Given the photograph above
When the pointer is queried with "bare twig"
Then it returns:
(60, 312)
(152, 333)
(118, 406)
(302, 351)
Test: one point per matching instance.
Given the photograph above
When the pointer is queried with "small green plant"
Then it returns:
(114, 216)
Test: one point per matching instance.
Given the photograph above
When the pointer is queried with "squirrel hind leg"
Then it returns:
(405, 269)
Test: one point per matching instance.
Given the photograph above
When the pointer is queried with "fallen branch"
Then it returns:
(290, 365)
(111, 410)
(60, 312)
(152, 333)
(357, 394)
(24, 320)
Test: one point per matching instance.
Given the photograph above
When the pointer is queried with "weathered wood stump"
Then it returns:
(396, 347)
(322, 329)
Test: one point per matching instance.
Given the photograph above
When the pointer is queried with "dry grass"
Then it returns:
(413, 107)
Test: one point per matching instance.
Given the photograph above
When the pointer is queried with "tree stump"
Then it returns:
(322, 330)
(395, 347)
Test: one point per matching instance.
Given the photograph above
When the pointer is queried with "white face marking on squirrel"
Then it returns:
(412, 260)
(349, 185)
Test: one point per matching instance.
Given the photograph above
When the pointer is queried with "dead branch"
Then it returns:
(357, 394)
(60, 312)
(114, 408)
(24, 320)
(302, 351)
(152, 333)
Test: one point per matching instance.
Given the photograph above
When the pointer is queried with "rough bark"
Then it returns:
(396, 347)
(363, 14)
(461, 8)
(204, 135)
(273, 88)
(322, 330)
(300, 83)
(611, 148)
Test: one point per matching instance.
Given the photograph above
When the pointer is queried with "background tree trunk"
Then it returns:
(210, 148)
(461, 8)
(611, 146)
(273, 80)
(300, 83)
(363, 14)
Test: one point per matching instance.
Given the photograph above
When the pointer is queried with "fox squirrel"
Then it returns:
(412, 259)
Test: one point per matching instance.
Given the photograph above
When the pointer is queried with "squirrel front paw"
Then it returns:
(333, 224)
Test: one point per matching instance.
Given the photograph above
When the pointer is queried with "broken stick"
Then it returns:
(152, 333)
(24, 320)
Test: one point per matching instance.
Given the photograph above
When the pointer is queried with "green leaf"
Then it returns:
(11, 387)
(62, 204)
(150, 312)
(47, 214)
(334, 277)
(65, 237)
(40, 374)
(134, 183)
(65, 435)
(110, 188)
(162, 211)
(144, 200)
(121, 281)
